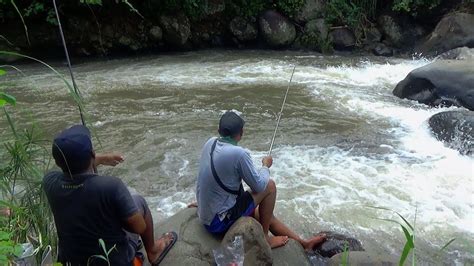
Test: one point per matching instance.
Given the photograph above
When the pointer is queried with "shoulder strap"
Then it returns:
(218, 180)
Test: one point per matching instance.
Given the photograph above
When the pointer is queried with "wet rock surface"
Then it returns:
(455, 129)
(443, 82)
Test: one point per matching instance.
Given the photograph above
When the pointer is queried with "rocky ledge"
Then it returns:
(195, 245)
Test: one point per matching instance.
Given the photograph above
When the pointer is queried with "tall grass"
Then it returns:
(28, 217)
(23, 162)
(409, 232)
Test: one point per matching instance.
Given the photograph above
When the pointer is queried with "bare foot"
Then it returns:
(314, 241)
(193, 205)
(277, 241)
(160, 245)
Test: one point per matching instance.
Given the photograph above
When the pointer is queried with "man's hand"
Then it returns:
(111, 159)
(267, 161)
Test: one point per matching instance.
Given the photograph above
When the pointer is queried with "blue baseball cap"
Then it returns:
(74, 144)
(230, 124)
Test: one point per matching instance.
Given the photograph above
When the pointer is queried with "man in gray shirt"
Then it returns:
(221, 198)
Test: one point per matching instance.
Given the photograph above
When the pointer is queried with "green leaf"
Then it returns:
(2, 72)
(102, 244)
(6, 98)
(4, 236)
(408, 237)
(405, 252)
(387, 209)
(100, 257)
(17, 250)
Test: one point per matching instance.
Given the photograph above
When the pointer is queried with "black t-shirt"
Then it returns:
(86, 208)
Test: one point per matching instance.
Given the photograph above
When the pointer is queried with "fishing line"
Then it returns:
(76, 90)
(281, 112)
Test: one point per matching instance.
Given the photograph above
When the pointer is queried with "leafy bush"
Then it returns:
(414, 6)
(347, 13)
(246, 8)
(289, 7)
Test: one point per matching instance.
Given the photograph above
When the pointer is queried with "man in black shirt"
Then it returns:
(88, 207)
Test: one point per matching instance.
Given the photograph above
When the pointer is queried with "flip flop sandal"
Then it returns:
(167, 248)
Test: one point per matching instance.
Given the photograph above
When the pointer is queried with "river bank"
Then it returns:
(110, 29)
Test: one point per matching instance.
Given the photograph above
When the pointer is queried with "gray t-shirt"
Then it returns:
(86, 208)
(232, 164)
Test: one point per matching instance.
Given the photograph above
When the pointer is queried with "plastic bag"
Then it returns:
(27, 257)
(230, 255)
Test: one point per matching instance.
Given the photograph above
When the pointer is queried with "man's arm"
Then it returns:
(112, 159)
(135, 224)
(257, 181)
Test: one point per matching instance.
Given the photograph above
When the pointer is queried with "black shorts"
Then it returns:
(244, 206)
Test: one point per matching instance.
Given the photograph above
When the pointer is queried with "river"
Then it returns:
(345, 143)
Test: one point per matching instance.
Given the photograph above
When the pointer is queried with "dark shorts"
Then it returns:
(134, 241)
(244, 206)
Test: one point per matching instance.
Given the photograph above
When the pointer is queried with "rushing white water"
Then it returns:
(345, 142)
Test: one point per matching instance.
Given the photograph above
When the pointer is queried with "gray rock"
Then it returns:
(311, 9)
(290, 254)
(244, 30)
(194, 245)
(257, 250)
(455, 128)
(391, 29)
(176, 29)
(373, 35)
(342, 38)
(443, 82)
(277, 30)
(401, 32)
(335, 243)
(361, 258)
(156, 34)
(460, 53)
(454, 30)
(381, 49)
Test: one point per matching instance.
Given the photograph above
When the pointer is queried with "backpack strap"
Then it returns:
(218, 180)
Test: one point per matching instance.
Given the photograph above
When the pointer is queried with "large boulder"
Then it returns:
(195, 245)
(277, 30)
(256, 248)
(454, 30)
(443, 82)
(455, 128)
(399, 31)
(176, 29)
(361, 258)
(460, 53)
(244, 30)
(336, 243)
(290, 254)
(342, 38)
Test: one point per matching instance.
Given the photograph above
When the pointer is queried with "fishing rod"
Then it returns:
(76, 90)
(281, 112)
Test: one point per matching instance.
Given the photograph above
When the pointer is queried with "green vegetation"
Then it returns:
(409, 233)
(25, 216)
(104, 257)
(414, 6)
(289, 7)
